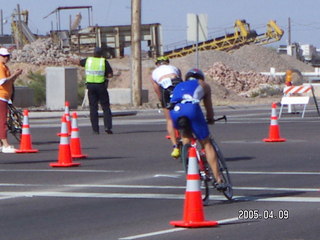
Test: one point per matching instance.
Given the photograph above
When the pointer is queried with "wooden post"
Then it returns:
(136, 52)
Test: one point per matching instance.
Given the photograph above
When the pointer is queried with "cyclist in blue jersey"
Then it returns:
(187, 115)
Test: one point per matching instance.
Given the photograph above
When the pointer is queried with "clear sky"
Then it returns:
(172, 14)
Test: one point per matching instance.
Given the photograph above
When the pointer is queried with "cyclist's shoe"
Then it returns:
(175, 152)
(221, 187)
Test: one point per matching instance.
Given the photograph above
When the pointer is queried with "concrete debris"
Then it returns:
(42, 52)
(237, 81)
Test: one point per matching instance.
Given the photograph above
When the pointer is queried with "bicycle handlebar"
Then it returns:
(224, 117)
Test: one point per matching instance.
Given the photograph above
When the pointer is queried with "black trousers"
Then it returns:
(98, 93)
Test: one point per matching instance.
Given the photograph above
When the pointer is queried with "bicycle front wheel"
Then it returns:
(228, 192)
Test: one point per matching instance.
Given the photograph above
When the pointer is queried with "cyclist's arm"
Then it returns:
(207, 101)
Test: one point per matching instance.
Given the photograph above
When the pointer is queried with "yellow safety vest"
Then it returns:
(95, 70)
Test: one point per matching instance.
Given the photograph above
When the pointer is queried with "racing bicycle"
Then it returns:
(14, 121)
(206, 176)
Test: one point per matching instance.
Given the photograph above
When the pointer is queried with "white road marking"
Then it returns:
(62, 170)
(278, 189)
(274, 173)
(266, 173)
(168, 175)
(153, 196)
(91, 186)
(228, 220)
(220, 222)
(153, 234)
(153, 187)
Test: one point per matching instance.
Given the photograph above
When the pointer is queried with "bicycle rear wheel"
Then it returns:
(204, 180)
(228, 192)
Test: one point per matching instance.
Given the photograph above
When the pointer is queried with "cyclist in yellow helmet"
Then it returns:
(164, 78)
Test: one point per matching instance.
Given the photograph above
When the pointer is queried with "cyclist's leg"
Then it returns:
(165, 100)
(212, 159)
(201, 130)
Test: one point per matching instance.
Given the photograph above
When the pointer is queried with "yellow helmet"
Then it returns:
(162, 59)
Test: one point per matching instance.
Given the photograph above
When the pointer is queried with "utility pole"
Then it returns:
(289, 31)
(1, 24)
(136, 52)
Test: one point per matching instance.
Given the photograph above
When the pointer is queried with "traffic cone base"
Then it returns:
(79, 156)
(27, 151)
(194, 224)
(64, 158)
(64, 164)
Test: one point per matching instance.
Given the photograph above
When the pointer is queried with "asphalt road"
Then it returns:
(129, 187)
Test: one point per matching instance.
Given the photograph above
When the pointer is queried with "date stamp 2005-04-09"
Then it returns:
(256, 214)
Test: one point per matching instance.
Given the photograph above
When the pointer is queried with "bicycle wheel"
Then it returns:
(15, 120)
(228, 192)
(184, 156)
(206, 178)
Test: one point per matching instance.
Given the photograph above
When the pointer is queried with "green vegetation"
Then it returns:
(266, 91)
(37, 82)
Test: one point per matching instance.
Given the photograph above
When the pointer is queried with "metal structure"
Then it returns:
(112, 39)
(242, 35)
(57, 13)
(21, 33)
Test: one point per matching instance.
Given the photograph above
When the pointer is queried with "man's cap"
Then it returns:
(98, 51)
(4, 52)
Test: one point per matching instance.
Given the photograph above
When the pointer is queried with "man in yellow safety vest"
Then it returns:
(98, 70)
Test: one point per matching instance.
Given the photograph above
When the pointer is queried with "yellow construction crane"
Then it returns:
(242, 35)
(19, 26)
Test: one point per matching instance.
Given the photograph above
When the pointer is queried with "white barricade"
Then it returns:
(296, 95)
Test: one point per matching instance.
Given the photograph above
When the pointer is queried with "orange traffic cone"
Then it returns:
(64, 157)
(193, 215)
(67, 115)
(75, 142)
(274, 130)
(26, 142)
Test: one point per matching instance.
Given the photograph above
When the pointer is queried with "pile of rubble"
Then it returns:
(239, 82)
(42, 52)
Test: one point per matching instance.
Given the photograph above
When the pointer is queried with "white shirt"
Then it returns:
(162, 70)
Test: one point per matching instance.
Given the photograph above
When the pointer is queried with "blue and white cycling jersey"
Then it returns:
(186, 97)
(187, 91)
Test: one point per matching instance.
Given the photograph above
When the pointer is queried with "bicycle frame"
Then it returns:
(205, 172)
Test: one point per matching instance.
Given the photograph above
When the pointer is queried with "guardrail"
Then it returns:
(309, 75)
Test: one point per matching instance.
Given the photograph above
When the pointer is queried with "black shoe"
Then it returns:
(220, 186)
(108, 131)
(95, 133)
